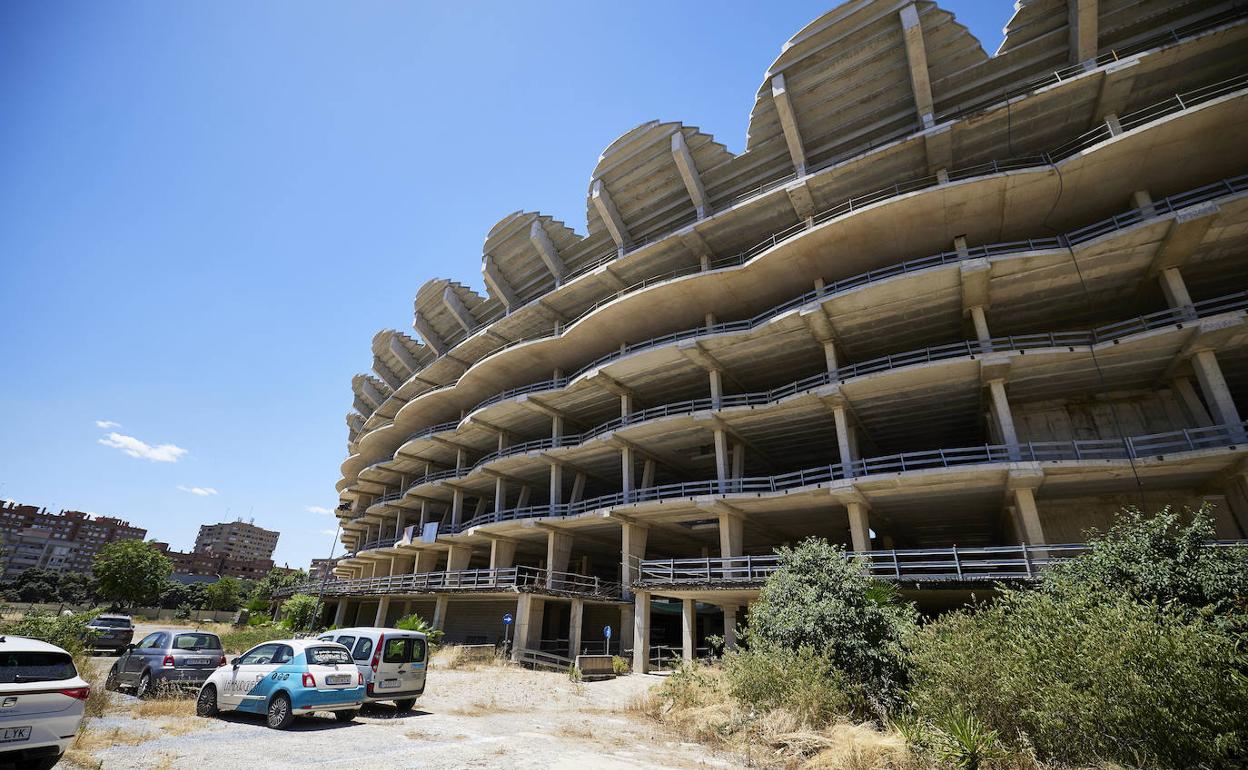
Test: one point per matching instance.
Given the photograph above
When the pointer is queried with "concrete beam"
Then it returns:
(975, 275)
(693, 350)
(689, 174)
(1116, 86)
(431, 337)
(800, 198)
(458, 309)
(916, 56)
(386, 374)
(400, 351)
(938, 143)
(610, 215)
(788, 124)
(370, 393)
(547, 251)
(1187, 231)
(1083, 18)
(494, 279)
(609, 384)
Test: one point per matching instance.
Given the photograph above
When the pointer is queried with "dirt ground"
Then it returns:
(489, 716)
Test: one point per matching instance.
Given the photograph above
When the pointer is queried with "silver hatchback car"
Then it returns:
(172, 657)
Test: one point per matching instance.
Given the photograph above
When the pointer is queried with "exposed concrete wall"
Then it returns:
(1131, 414)
(478, 622)
(1067, 520)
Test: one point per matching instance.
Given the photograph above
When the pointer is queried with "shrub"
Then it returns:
(415, 622)
(803, 682)
(620, 666)
(821, 601)
(242, 639)
(299, 611)
(1084, 676)
(69, 631)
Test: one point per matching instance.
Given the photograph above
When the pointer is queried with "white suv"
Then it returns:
(42, 699)
(392, 661)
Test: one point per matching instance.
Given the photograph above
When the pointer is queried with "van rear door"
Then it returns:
(401, 669)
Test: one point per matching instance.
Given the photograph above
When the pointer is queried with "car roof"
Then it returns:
(375, 630)
(176, 631)
(26, 644)
(299, 645)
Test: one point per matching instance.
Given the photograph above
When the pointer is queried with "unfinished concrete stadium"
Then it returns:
(949, 309)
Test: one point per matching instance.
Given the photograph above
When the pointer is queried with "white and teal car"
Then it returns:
(283, 679)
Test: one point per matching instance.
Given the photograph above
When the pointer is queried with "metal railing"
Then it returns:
(1174, 104)
(502, 579)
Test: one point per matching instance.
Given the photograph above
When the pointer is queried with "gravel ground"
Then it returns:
(487, 717)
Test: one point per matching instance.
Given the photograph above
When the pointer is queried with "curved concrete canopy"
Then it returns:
(525, 254)
(446, 310)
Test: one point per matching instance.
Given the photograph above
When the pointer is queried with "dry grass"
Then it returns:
(93, 740)
(479, 707)
(456, 658)
(165, 707)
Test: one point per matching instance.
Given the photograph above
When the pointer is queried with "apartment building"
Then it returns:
(949, 309)
(196, 567)
(236, 540)
(67, 541)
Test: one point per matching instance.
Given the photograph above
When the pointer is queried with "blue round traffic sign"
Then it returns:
(607, 632)
(506, 618)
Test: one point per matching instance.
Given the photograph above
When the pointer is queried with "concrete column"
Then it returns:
(500, 494)
(730, 626)
(1174, 288)
(439, 611)
(1217, 393)
(340, 613)
(738, 460)
(457, 507)
(1004, 417)
(578, 488)
(574, 627)
(632, 552)
(916, 57)
(383, 607)
(626, 471)
(502, 554)
(425, 561)
(859, 526)
(626, 404)
(647, 473)
(556, 486)
(1028, 516)
(424, 517)
(458, 557)
(981, 323)
(717, 387)
(829, 356)
(688, 629)
(641, 632)
(523, 500)
(1191, 402)
(624, 639)
(731, 535)
(1082, 17)
(721, 456)
(537, 611)
(558, 551)
(522, 620)
(843, 445)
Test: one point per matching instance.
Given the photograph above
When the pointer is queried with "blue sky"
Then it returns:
(208, 209)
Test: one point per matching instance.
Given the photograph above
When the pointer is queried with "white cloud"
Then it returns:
(201, 491)
(317, 509)
(106, 424)
(330, 532)
(161, 453)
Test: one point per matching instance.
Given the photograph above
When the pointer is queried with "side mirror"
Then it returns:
(234, 662)
(129, 647)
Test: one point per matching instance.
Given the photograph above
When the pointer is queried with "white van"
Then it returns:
(392, 661)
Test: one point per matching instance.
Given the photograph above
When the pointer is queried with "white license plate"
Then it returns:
(13, 734)
(198, 661)
(334, 679)
(387, 684)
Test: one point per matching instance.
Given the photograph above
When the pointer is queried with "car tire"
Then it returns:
(144, 686)
(206, 703)
(110, 682)
(406, 704)
(346, 716)
(43, 763)
(279, 714)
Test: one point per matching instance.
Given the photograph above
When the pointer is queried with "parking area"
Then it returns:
(479, 716)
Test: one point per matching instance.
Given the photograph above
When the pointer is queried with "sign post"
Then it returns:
(507, 632)
(606, 632)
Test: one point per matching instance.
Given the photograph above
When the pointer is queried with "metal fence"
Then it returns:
(502, 579)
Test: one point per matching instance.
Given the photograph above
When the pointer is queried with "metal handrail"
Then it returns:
(502, 579)
(1099, 134)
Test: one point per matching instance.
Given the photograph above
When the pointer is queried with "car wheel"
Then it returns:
(43, 763)
(206, 703)
(346, 716)
(280, 715)
(144, 685)
(405, 705)
(110, 682)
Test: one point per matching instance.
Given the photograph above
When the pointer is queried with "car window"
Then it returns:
(416, 653)
(196, 642)
(395, 651)
(363, 648)
(111, 622)
(150, 642)
(283, 655)
(328, 656)
(347, 641)
(326, 638)
(16, 667)
(259, 656)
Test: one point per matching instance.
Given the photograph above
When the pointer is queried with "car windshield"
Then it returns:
(111, 622)
(17, 667)
(328, 656)
(196, 642)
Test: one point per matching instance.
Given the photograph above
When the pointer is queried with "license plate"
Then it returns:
(387, 684)
(333, 679)
(197, 661)
(13, 734)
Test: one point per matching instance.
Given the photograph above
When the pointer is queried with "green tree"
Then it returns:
(299, 611)
(225, 594)
(131, 572)
(415, 622)
(823, 604)
(275, 580)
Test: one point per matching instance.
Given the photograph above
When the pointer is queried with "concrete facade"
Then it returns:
(945, 304)
(35, 537)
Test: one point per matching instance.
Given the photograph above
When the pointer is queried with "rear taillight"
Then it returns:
(221, 662)
(309, 680)
(381, 641)
(77, 693)
(369, 689)
(359, 678)
(168, 662)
